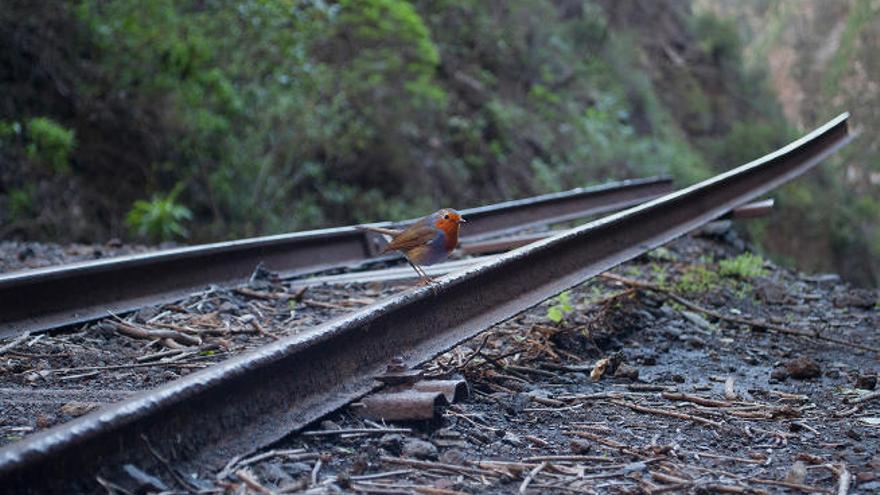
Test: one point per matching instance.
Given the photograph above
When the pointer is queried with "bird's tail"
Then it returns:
(383, 231)
(379, 230)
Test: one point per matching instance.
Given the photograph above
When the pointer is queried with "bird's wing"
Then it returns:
(380, 230)
(414, 236)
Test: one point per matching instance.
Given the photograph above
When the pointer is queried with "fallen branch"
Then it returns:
(152, 334)
(696, 399)
(666, 412)
(15, 342)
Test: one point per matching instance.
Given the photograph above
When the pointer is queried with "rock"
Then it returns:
(696, 320)
(581, 447)
(626, 371)
(392, 442)
(227, 307)
(419, 449)
(453, 456)
(821, 278)
(294, 469)
(771, 292)
(512, 439)
(273, 473)
(694, 341)
(46, 420)
(329, 425)
(803, 368)
(778, 374)
(866, 382)
(76, 408)
(520, 401)
(857, 298)
(797, 473)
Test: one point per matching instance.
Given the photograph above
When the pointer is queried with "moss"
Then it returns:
(744, 266)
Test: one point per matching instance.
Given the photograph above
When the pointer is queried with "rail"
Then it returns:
(250, 401)
(58, 296)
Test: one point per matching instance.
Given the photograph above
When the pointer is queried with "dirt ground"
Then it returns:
(17, 255)
(681, 374)
(686, 402)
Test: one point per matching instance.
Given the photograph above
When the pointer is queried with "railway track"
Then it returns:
(252, 400)
(57, 296)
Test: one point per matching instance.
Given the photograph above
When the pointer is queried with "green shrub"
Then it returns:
(50, 143)
(160, 219)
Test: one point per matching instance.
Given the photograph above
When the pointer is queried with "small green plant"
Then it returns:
(697, 279)
(561, 307)
(50, 143)
(744, 266)
(161, 218)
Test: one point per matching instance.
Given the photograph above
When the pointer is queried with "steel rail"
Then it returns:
(257, 398)
(57, 296)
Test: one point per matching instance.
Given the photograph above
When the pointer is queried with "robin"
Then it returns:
(428, 241)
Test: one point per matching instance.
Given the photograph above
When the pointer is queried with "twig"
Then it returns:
(788, 484)
(386, 474)
(474, 354)
(315, 471)
(436, 465)
(537, 441)
(572, 458)
(844, 479)
(251, 482)
(174, 474)
(374, 431)
(735, 319)
(288, 454)
(666, 412)
(729, 393)
(15, 342)
(864, 398)
(136, 332)
(696, 399)
(528, 479)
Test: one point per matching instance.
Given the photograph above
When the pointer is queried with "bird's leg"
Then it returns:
(426, 280)
(421, 272)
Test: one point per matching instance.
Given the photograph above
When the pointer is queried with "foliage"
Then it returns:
(21, 202)
(560, 308)
(697, 279)
(50, 143)
(160, 219)
(744, 266)
(289, 114)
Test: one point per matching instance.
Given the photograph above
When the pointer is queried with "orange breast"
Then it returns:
(451, 232)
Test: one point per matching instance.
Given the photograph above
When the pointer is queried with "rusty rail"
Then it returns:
(239, 405)
(57, 296)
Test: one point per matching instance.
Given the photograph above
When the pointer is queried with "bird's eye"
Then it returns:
(446, 217)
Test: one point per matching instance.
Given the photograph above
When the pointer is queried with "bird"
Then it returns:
(429, 240)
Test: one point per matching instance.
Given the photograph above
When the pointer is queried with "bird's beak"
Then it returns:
(462, 220)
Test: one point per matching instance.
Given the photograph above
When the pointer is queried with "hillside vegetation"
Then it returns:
(211, 119)
(823, 60)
